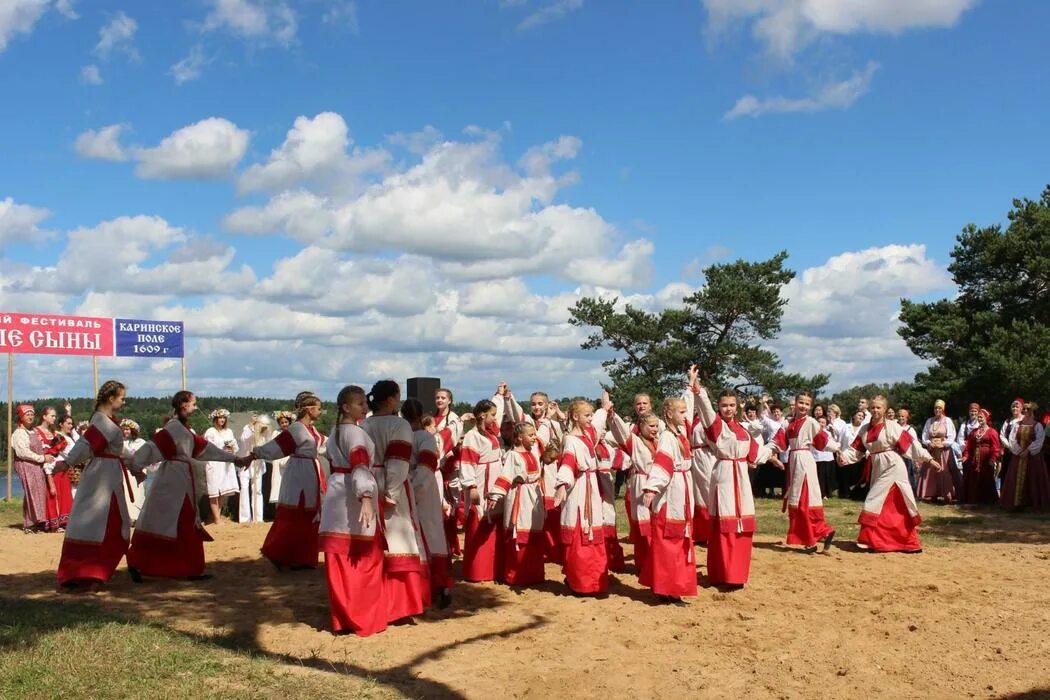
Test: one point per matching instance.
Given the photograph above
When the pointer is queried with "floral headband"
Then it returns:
(278, 415)
(219, 413)
(129, 424)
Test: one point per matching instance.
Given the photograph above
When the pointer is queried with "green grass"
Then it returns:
(11, 512)
(942, 526)
(73, 649)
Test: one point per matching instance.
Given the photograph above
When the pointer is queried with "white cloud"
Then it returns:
(786, 26)
(103, 144)
(314, 148)
(842, 316)
(90, 75)
(841, 95)
(548, 13)
(20, 222)
(208, 149)
(117, 35)
(19, 17)
(189, 68)
(66, 9)
(258, 20)
(342, 13)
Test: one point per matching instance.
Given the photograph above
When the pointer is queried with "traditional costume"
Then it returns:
(60, 504)
(292, 539)
(1026, 482)
(521, 487)
(671, 564)
(480, 463)
(732, 504)
(169, 537)
(938, 435)
(29, 465)
(99, 526)
(449, 434)
(890, 517)
(606, 452)
(980, 454)
(582, 521)
(353, 552)
(135, 493)
(428, 490)
(405, 575)
(221, 476)
(803, 499)
(642, 453)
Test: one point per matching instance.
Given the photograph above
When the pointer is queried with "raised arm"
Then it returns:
(703, 406)
(620, 431)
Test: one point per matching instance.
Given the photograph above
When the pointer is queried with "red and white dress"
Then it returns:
(292, 539)
(58, 506)
(99, 527)
(607, 465)
(520, 485)
(582, 521)
(428, 489)
(703, 470)
(671, 564)
(642, 454)
(353, 552)
(890, 518)
(547, 431)
(480, 464)
(449, 434)
(731, 501)
(406, 577)
(169, 537)
(804, 501)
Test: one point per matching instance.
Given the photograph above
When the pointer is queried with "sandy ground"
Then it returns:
(967, 620)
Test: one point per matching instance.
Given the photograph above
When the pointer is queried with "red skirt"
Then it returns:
(181, 557)
(356, 593)
(586, 566)
(58, 506)
(806, 525)
(614, 551)
(701, 524)
(523, 561)
(641, 554)
(482, 555)
(555, 550)
(893, 530)
(407, 593)
(440, 573)
(292, 539)
(452, 536)
(671, 563)
(85, 562)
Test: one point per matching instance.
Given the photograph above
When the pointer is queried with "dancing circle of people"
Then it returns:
(526, 489)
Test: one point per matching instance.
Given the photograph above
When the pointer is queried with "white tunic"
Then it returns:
(221, 476)
(428, 488)
(392, 436)
(174, 446)
(480, 463)
(102, 448)
(671, 479)
(352, 455)
(642, 453)
(799, 439)
(578, 472)
(302, 477)
(521, 484)
(886, 443)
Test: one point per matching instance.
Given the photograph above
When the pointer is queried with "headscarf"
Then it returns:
(24, 410)
(939, 403)
(987, 415)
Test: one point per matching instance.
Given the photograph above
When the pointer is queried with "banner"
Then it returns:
(137, 338)
(48, 334)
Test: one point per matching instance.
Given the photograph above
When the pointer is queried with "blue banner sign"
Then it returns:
(148, 338)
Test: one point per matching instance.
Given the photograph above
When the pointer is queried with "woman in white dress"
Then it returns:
(220, 477)
(251, 477)
(134, 491)
(284, 419)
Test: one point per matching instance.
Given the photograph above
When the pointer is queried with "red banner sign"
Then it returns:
(47, 334)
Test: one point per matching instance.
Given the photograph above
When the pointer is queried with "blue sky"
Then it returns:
(707, 130)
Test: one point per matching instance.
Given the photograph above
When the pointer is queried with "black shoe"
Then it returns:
(280, 567)
(673, 600)
(444, 598)
(828, 540)
(913, 551)
(812, 549)
(135, 575)
(200, 577)
(301, 567)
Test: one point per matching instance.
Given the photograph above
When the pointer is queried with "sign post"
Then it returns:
(10, 401)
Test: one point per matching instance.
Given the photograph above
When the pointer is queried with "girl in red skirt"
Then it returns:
(520, 486)
(349, 535)
(480, 463)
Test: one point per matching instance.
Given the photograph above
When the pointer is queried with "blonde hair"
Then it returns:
(577, 405)
(669, 406)
(303, 400)
(108, 391)
(879, 398)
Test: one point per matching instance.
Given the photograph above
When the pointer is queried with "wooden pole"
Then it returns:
(10, 423)
(184, 371)
(94, 375)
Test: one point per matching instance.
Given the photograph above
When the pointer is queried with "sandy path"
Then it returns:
(971, 620)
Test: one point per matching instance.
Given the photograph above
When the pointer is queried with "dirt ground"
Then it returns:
(964, 620)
